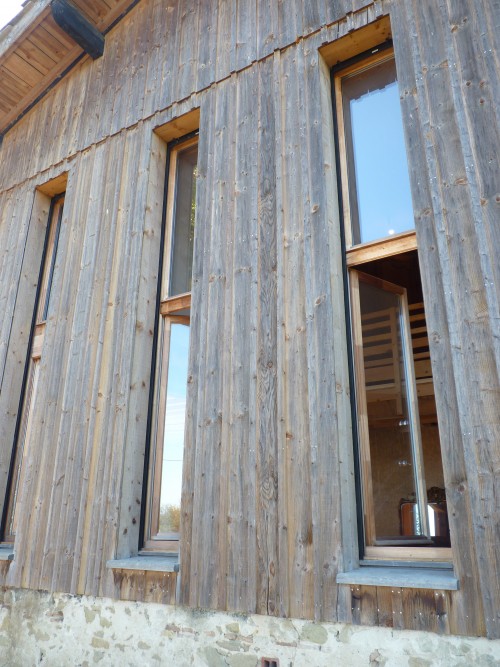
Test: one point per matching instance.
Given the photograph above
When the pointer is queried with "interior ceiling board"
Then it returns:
(35, 51)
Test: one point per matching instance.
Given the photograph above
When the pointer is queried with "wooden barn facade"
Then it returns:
(250, 307)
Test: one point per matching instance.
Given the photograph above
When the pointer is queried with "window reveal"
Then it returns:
(164, 483)
(401, 474)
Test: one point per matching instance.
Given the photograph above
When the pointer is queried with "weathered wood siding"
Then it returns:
(271, 346)
(268, 508)
(17, 299)
(450, 83)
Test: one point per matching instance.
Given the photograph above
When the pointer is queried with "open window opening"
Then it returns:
(24, 422)
(401, 481)
(404, 499)
(161, 520)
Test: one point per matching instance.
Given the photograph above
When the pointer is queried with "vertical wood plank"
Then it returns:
(160, 587)
(476, 92)
(313, 15)
(143, 47)
(385, 612)
(326, 348)
(65, 108)
(210, 469)
(207, 49)
(283, 481)
(397, 608)
(192, 514)
(225, 38)
(419, 609)
(187, 49)
(365, 603)
(127, 94)
(246, 34)
(267, 28)
(73, 142)
(221, 352)
(294, 361)
(152, 71)
(170, 37)
(289, 21)
(91, 109)
(267, 590)
(241, 570)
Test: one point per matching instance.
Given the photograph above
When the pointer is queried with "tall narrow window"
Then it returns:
(401, 473)
(11, 511)
(162, 517)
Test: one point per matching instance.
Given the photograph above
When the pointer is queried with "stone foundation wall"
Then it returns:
(62, 630)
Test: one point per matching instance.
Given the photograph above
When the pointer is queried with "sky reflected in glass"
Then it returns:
(377, 148)
(175, 417)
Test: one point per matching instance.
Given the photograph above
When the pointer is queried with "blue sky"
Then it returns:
(8, 9)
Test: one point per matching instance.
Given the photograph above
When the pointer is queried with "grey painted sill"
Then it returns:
(401, 577)
(164, 563)
(6, 553)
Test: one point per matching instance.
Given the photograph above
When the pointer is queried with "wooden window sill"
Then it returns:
(384, 247)
(401, 577)
(6, 552)
(163, 563)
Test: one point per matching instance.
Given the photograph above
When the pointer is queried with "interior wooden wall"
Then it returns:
(265, 527)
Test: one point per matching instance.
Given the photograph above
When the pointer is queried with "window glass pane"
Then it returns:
(381, 200)
(184, 217)
(439, 529)
(173, 444)
(50, 260)
(392, 466)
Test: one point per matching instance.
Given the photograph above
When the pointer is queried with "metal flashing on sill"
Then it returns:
(6, 552)
(150, 563)
(435, 565)
(436, 578)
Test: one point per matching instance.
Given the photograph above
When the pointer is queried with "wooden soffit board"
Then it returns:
(35, 51)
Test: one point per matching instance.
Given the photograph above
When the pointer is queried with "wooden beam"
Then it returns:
(72, 21)
(386, 247)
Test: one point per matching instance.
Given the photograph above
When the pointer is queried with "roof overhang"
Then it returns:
(43, 42)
